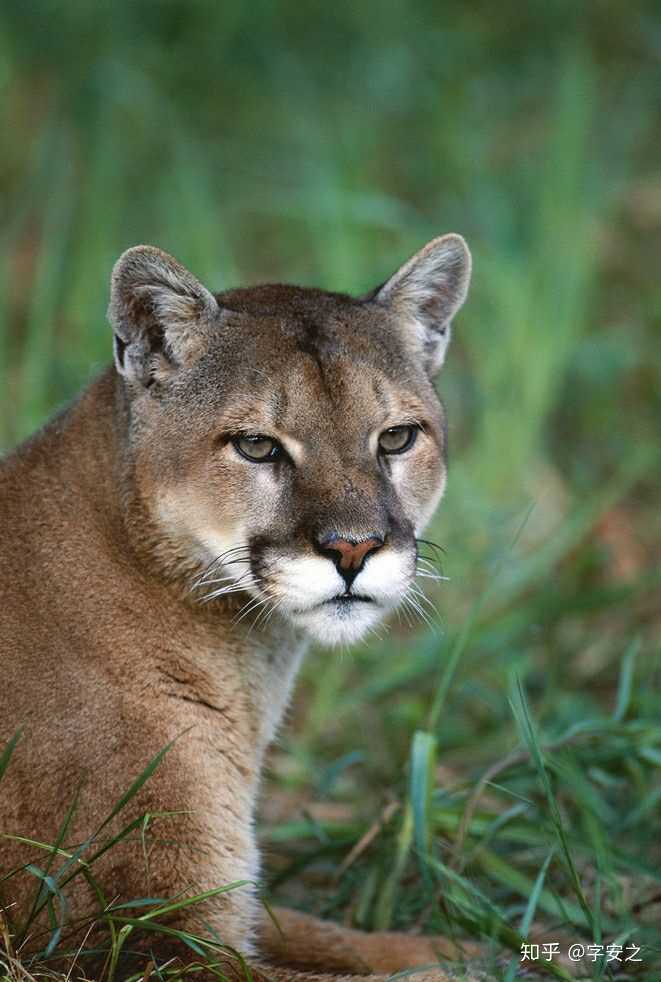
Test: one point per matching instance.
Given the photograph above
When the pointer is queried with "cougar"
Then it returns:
(249, 475)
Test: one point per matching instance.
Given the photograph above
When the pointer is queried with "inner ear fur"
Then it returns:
(158, 312)
(428, 290)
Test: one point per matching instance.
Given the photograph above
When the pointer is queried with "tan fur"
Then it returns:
(115, 510)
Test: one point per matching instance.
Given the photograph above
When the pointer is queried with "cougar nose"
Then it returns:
(348, 555)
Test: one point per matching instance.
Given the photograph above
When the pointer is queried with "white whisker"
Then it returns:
(415, 605)
(233, 586)
(226, 558)
(423, 598)
(224, 579)
(227, 590)
(406, 612)
(417, 590)
(248, 607)
(265, 614)
(430, 567)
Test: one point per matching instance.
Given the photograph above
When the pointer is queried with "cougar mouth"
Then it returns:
(346, 599)
(341, 600)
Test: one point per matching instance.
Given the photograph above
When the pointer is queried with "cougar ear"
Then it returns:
(158, 312)
(429, 290)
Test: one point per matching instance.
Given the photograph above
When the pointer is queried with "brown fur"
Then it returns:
(119, 503)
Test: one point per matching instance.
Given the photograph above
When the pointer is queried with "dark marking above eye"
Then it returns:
(379, 395)
(280, 405)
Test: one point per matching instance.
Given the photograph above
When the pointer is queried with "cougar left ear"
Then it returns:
(158, 312)
(428, 290)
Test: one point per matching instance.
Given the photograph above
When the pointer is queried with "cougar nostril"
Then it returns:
(348, 555)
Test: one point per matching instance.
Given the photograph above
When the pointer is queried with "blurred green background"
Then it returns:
(323, 145)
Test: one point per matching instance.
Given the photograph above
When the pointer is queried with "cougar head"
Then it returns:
(287, 443)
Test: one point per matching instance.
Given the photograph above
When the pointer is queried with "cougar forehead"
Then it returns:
(287, 335)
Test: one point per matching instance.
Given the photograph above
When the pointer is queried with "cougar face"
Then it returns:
(286, 443)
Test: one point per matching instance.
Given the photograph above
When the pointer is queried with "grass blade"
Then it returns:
(524, 721)
(6, 754)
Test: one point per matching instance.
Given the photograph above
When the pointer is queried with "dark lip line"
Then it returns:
(338, 598)
(347, 598)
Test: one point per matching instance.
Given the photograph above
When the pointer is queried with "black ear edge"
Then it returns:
(119, 350)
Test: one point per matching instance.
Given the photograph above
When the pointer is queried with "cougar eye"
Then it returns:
(259, 449)
(397, 439)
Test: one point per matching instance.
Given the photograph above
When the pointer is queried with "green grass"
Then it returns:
(506, 764)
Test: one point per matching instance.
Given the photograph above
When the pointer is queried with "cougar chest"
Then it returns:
(237, 682)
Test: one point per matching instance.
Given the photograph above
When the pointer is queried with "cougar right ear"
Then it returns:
(158, 312)
(428, 291)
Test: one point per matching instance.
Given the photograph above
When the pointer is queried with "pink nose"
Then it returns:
(350, 556)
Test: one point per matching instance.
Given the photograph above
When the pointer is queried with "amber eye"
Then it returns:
(397, 439)
(259, 449)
